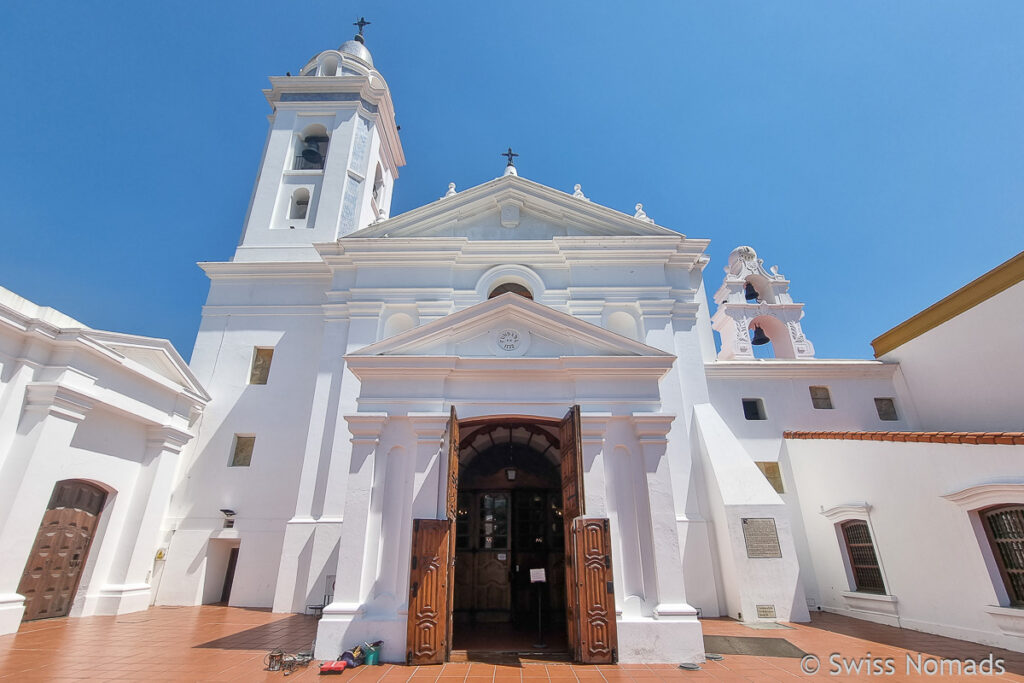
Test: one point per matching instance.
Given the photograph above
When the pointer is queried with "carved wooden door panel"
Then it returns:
(429, 597)
(597, 633)
(452, 491)
(572, 507)
(452, 512)
(62, 545)
(491, 584)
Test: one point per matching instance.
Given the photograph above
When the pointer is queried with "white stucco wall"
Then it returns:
(958, 372)
(931, 549)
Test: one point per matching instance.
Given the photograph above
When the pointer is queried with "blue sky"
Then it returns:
(874, 150)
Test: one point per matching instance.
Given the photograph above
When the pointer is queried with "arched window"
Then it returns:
(860, 551)
(312, 149)
(513, 287)
(300, 204)
(1004, 527)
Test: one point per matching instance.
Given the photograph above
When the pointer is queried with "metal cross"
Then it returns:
(510, 155)
(361, 23)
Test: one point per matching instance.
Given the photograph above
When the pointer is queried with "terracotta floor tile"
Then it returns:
(216, 644)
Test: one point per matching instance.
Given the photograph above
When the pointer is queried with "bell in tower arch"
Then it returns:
(760, 338)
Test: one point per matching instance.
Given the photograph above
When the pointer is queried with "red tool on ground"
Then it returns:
(330, 668)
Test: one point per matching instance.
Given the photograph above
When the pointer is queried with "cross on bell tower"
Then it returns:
(361, 24)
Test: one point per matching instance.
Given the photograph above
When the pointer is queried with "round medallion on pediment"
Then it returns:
(509, 339)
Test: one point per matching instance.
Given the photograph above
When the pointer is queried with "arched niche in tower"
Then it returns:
(329, 64)
(777, 333)
(299, 206)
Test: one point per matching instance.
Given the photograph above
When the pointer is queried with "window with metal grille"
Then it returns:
(1005, 529)
(821, 399)
(867, 577)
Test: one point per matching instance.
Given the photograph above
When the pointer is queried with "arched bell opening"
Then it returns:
(770, 338)
(311, 148)
(757, 289)
(509, 524)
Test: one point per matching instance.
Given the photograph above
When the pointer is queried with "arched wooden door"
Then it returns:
(62, 545)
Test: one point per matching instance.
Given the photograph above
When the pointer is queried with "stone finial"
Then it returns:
(577, 192)
(640, 215)
(451, 190)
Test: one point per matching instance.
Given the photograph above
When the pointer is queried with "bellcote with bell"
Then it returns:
(331, 158)
(755, 309)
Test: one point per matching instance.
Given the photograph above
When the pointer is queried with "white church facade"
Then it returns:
(408, 420)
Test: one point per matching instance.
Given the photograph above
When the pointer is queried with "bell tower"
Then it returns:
(330, 160)
(755, 308)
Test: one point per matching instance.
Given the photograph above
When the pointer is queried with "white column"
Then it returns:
(351, 593)
(651, 431)
(339, 623)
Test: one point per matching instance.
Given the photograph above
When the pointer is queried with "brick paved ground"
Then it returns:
(214, 643)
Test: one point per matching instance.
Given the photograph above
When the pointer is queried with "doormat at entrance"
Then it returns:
(748, 645)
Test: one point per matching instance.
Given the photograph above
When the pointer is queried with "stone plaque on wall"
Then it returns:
(761, 537)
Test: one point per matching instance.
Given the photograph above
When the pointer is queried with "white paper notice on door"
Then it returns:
(537, 575)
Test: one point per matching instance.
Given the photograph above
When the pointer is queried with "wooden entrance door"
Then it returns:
(595, 592)
(572, 507)
(62, 545)
(429, 597)
(432, 575)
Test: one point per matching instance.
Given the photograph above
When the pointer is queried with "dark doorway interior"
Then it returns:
(229, 576)
(509, 521)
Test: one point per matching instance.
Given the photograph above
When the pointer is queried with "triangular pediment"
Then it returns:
(510, 326)
(513, 208)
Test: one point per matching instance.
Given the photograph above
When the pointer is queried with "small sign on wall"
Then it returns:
(761, 537)
(537, 575)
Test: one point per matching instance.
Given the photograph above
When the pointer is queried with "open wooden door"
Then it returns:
(572, 507)
(595, 591)
(429, 601)
(451, 511)
(432, 575)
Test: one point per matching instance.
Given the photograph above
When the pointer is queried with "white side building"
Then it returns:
(92, 425)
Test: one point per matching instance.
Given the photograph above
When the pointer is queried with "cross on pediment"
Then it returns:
(510, 155)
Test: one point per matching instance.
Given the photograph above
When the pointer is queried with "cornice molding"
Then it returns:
(790, 369)
(837, 513)
(983, 495)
